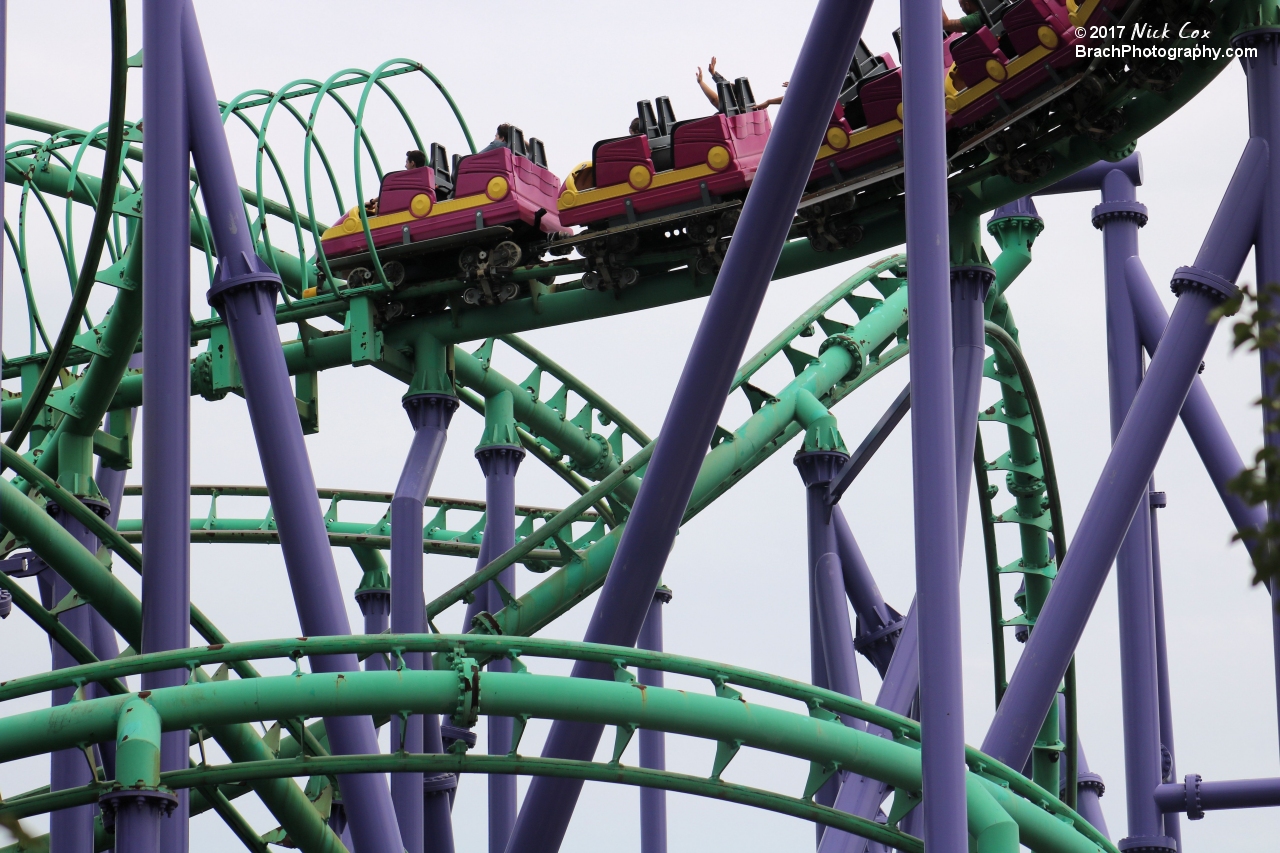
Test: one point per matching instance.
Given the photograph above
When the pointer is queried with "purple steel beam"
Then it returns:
(1127, 471)
(969, 288)
(499, 464)
(138, 823)
(830, 631)
(1262, 74)
(837, 637)
(166, 376)
(653, 744)
(1089, 786)
(700, 394)
(933, 432)
(1090, 177)
(244, 292)
(827, 593)
(70, 830)
(1203, 423)
(1169, 763)
(103, 641)
(1119, 217)
(419, 817)
(827, 647)
(879, 625)
(373, 595)
(1195, 796)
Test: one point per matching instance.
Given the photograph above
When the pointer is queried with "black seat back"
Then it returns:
(993, 10)
(515, 141)
(742, 91)
(865, 66)
(666, 116)
(648, 121)
(438, 159)
(537, 152)
(728, 100)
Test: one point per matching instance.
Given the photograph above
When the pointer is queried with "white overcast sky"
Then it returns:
(570, 73)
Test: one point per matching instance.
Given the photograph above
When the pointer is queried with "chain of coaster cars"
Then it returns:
(1013, 85)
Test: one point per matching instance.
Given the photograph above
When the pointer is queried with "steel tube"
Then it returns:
(933, 431)
(817, 469)
(1128, 469)
(1199, 416)
(1172, 826)
(244, 292)
(969, 289)
(1262, 75)
(499, 464)
(70, 830)
(876, 637)
(1089, 785)
(419, 817)
(1195, 797)
(653, 744)
(699, 396)
(166, 375)
(1119, 217)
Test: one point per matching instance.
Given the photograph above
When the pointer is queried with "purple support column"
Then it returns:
(879, 625)
(70, 830)
(1262, 73)
(1203, 423)
(1169, 764)
(833, 616)
(933, 432)
(373, 595)
(653, 745)
(969, 288)
(138, 824)
(500, 463)
(817, 468)
(166, 374)
(419, 817)
(1089, 786)
(831, 634)
(244, 292)
(699, 397)
(1119, 217)
(1127, 472)
(103, 641)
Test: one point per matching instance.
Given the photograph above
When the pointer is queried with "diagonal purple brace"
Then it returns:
(1200, 417)
(700, 394)
(1127, 472)
(244, 292)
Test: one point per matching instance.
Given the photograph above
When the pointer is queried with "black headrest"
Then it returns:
(515, 141)
(666, 116)
(648, 120)
(993, 10)
(728, 99)
(742, 91)
(438, 159)
(537, 152)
